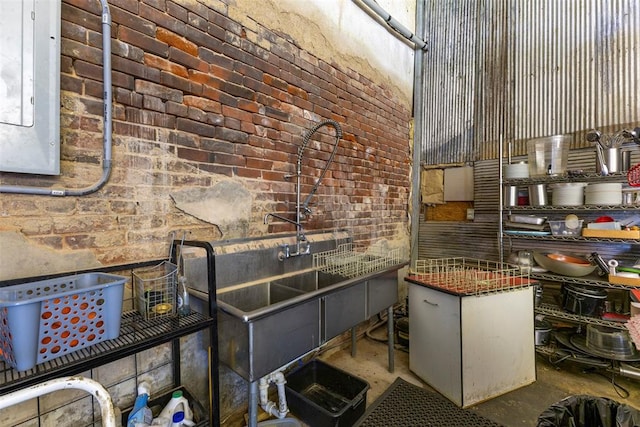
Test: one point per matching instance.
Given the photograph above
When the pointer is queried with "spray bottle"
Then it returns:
(141, 413)
(184, 309)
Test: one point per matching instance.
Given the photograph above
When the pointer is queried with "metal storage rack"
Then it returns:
(136, 334)
(550, 310)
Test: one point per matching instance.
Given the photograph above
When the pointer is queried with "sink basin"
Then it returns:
(263, 325)
(251, 298)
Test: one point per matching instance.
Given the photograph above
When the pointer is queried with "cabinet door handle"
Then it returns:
(430, 303)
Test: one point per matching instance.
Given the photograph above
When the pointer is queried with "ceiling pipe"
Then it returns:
(394, 24)
(107, 131)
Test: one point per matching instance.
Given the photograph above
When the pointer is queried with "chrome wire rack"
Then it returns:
(351, 260)
(470, 276)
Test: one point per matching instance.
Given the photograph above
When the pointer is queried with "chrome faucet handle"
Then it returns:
(284, 253)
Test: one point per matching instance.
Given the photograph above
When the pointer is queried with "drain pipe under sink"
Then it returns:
(280, 409)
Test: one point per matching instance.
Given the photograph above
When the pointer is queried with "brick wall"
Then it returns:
(200, 99)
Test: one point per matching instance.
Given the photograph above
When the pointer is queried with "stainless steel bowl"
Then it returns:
(565, 264)
(617, 342)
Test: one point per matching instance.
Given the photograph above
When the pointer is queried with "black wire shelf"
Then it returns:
(136, 334)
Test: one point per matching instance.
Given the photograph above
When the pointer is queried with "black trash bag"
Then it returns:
(589, 411)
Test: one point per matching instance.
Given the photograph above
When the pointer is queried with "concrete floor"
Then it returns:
(517, 408)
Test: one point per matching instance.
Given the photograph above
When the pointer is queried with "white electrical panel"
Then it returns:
(30, 86)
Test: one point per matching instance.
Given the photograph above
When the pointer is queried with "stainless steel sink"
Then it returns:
(253, 300)
(271, 312)
(311, 281)
(257, 296)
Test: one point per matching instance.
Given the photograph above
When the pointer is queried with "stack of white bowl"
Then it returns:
(603, 194)
(567, 193)
(516, 170)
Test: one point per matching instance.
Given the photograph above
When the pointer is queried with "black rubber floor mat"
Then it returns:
(406, 405)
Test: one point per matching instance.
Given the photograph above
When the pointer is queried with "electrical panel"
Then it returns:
(30, 86)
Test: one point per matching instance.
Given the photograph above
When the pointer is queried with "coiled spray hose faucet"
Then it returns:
(302, 209)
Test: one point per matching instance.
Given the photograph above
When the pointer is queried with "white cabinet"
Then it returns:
(472, 348)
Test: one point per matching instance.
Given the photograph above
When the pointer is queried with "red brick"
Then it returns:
(162, 19)
(247, 127)
(195, 127)
(87, 14)
(247, 105)
(143, 41)
(236, 113)
(70, 83)
(158, 91)
(77, 50)
(176, 11)
(203, 104)
(225, 74)
(248, 71)
(134, 22)
(275, 82)
(181, 57)
(205, 79)
(173, 39)
(163, 64)
(217, 169)
(263, 99)
(229, 159)
(203, 39)
(220, 96)
(248, 173)
(194, 155)
(176, 82)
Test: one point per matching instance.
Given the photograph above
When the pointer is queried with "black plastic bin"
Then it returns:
(324, 396)
(589, 411)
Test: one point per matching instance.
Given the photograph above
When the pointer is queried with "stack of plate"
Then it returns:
(516, 170)
(568, 193)
(603, 194)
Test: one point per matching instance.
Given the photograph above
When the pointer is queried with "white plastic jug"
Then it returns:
(178, 403)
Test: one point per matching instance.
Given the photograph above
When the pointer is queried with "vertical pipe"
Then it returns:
(253, 404)
(418, 132)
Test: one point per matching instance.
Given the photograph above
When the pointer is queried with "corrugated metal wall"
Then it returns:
(479, 239)
(526, 68)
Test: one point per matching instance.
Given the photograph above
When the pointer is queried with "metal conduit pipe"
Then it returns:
(107, 131)
(395, 25)
(81, 383)
(418, 134)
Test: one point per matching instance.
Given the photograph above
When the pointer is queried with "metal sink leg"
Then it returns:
(390, 338)
(253, 404)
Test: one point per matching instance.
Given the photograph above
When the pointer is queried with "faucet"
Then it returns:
(302, 209)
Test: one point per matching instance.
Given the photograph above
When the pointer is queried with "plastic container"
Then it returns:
(321, 395)
(40, 321)
(548, 155)
(177, 403)
(157, 403)
(560, 228)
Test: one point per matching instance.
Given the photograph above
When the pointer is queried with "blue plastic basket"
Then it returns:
(40, 321)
